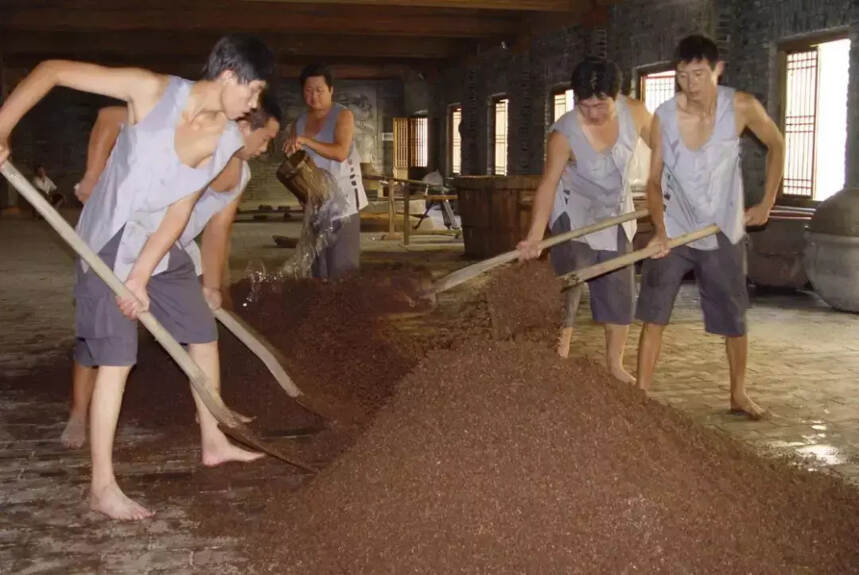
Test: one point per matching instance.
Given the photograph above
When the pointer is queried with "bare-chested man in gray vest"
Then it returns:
(695, 181)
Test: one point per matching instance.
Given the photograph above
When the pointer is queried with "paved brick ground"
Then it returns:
(803, 366)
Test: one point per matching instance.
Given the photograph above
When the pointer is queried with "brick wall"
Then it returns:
(373, 102)
(641, 33)
(55, 133)
(644, 32)
(759, 26)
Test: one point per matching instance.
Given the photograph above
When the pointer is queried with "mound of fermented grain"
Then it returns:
(523, 297)
(333, 336)
(498, 457)
(335, 345)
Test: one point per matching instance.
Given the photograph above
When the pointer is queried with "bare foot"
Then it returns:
(115, 504)
(241, 417)
(564, 342)
(222, 451)
(74, 435)
(620, 374)
(742, 405)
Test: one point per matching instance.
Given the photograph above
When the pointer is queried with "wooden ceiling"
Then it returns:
(360, 38)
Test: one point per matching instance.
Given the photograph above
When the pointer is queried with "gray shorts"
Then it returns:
(343, 254)
(721, 278)
(106, 337)
(611, 294)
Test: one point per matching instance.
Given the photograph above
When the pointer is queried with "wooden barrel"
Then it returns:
(301, 177)
(495, 211)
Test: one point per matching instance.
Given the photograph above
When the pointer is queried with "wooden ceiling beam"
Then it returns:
(81, 45)
(517, 5)
(290, 67)
(261, 17)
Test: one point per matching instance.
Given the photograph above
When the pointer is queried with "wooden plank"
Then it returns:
(520, 5)
(258, 17)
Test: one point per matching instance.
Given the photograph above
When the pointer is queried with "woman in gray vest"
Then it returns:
(325, 131)
(585, 181)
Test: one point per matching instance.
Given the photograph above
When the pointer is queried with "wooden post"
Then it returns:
(406, 209)
(392, 209)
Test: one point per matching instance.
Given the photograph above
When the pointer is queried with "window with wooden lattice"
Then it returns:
(814, 118)
(657, 86)
(500, 128)
(562, 102)
(454, 149)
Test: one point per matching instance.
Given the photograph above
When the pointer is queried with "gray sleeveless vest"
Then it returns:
(704, 186)
(144, 176)
(347, 175)
(594, 186)
(209, 204)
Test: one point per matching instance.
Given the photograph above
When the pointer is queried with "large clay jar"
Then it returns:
(832, 250)
(775, 251)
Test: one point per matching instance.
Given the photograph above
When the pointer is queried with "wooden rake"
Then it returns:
(226, 418)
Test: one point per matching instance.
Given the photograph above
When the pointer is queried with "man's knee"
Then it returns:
(649, 329)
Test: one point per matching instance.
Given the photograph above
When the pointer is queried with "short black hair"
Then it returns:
(317, 70)
(598, 77)
(268, 108)
(696, 47)
(246, 56)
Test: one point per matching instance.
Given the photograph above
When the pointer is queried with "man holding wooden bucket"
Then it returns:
(694, 182)
(586, 180)
(179, 136)
(326, 132)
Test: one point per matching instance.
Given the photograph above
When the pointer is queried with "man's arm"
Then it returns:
(153, 251)
(140, 88)
(216, 235)
(101, 141)
(339, 149)
(642, 118)
(215, 244)
(751, 115)
(654, 190)
(558, 153)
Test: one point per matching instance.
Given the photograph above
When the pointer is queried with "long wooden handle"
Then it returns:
(577, 277)
(196, 376)
(248, 336)
(466, 273)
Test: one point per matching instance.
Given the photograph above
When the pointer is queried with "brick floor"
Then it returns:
(803, 366)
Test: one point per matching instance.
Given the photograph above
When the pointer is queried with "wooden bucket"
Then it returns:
(301, 177)
(495, 211)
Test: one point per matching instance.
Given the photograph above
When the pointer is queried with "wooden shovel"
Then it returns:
(231, 425)
(469, 272)
(255, 342)
(577, 277)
